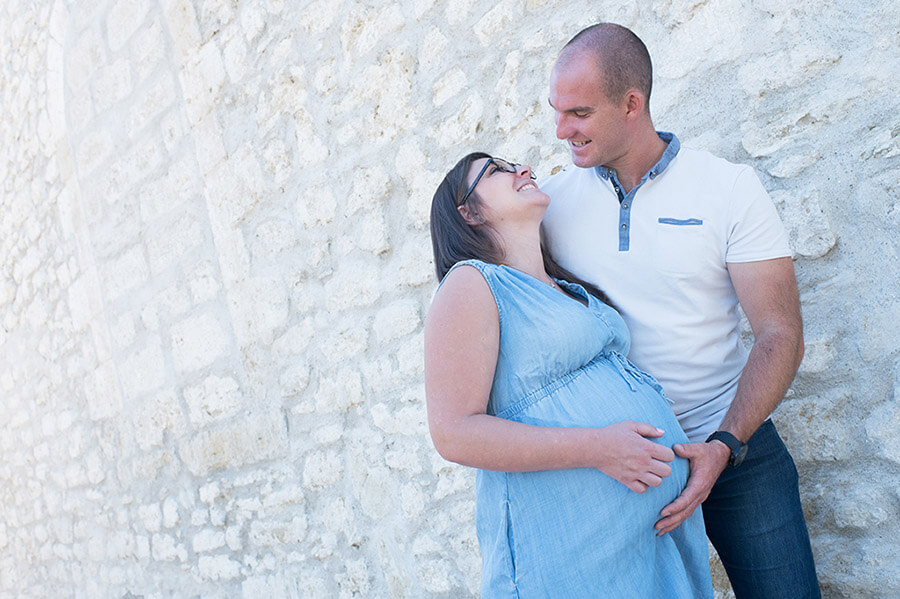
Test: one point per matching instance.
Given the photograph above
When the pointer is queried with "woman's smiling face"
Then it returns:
(504, 189)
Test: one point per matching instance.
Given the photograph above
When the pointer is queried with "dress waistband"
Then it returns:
(628, 371)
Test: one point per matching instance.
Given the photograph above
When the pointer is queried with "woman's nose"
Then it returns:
(525, 171)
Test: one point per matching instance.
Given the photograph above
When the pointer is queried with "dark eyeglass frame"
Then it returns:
(504, 166)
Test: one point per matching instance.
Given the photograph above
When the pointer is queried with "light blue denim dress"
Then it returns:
(578, 532)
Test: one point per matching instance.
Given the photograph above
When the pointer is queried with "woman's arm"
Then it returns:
(462, 337)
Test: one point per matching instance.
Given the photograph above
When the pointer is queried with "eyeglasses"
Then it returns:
(502, 165)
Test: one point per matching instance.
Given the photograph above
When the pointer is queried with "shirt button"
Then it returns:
(624, 226)
(624, 206)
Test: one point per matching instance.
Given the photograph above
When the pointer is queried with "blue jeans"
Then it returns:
(754, 520)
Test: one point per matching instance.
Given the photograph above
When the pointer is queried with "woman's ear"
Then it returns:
(471, 217)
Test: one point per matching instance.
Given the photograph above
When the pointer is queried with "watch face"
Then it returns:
(738, 455)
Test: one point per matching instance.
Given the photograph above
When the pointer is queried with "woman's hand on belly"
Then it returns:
(623, 451)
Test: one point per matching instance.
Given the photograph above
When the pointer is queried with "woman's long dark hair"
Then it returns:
(453, 240)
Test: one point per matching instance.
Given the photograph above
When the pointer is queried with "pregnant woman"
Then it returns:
(527, 380)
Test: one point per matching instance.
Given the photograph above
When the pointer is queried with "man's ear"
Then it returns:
(634, 103)
(471, 217)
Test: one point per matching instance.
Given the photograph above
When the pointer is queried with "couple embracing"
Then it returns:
(584, 354)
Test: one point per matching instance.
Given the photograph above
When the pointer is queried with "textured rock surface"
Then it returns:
(214, 266)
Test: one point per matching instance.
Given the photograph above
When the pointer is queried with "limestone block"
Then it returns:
(170, 512)
(169, 302)
(214, 399)
(322, 469)
(102, 391)
(319, 16)
(861, 508)
(324, 435)
(316, 206)
(397, 319)
(339, 394)
(355, 579)
(258, 306)
(84, 57)
(253, 21)
(412, 501)
(143, 370)
(354, 284)
(208, 540)
(151, 516)
(125, 272)
(166, 549)
(408, 420)
(210, 492)
(203, 281)
(233, 538)
(171, 190)
(325, 78)
(816, 428)
(93, 149)
(457, 11)
(883, 421)
(794, 164)
(310, 147)
(432, 50)
(790, 68)
(410, 355)
(371, 188)
(451, 83)
(202, 76)
(806, 224)
(247, 440)
(496, 21)
(197, 341)
(85, 302)
(710, 36)
(403, 457)
(388, 85)
(881, 142)
(150, 104)
(112, 84)
(881, 328)
(278, 534)
(434, 574)
(366, 26)
(295, 340)
(123, 19)
(820, 354)
(149, 47)
(235, 186)
(122, 331)
(765, 139)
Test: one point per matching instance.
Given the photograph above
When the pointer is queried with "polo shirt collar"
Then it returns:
(670, 152)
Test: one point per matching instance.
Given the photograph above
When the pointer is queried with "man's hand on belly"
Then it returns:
(708, 460)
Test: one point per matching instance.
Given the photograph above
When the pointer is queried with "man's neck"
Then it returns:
(631, 168)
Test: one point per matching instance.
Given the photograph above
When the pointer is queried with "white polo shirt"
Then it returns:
(660, 254)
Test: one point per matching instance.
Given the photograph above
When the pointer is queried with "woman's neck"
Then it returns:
(523, 253)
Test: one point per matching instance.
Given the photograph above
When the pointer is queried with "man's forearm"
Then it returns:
(771, 366)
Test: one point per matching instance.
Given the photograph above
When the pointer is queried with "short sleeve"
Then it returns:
(755, 230)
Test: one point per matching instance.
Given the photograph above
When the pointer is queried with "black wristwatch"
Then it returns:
(738, 449)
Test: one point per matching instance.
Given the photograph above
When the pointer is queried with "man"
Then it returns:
(676, 238)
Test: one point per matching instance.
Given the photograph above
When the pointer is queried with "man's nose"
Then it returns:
(563, 130)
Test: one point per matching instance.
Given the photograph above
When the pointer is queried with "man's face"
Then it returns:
(592, 125)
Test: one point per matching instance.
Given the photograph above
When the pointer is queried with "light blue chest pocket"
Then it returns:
(678, 245)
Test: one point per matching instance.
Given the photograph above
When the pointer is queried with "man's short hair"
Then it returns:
(620, 56)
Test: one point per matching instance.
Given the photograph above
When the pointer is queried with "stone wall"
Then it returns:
(214, 266)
